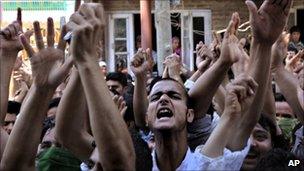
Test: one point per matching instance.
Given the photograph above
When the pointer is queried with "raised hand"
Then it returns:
(86, 25)
(173, 66)
(239, 95)
(139, 63)
(215, 46)
(10, 44)
(204, 56)
(121, 104)
(242, 64)
(267, 23)
(229, 50)
(279, 51)
(293, 62)
(47, 68)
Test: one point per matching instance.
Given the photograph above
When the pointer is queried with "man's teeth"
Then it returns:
(165, 111)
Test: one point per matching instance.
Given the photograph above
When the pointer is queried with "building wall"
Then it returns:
(221, 9)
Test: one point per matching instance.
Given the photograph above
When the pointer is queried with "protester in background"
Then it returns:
(295, 44)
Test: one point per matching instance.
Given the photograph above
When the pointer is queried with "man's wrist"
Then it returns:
(140, 76)
(231, 115)
(265, 44)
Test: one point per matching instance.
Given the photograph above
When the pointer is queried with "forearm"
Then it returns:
(259, 70)
(140, 101)
(106, 122)
(70, 120)
(3, 141)
(195, 76)
(6, 68)
(269, 105)
(24, 139)
(206, 86)
(291, 90)
(218, 139)
(219, 99)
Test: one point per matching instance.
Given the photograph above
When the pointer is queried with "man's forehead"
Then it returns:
(113, 82)
(167, 85)
(259, 128)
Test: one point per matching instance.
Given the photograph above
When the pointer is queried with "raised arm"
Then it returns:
(70, 120)
(287, 82)
(267, 24)
(106, 122)
(9, 48)
(140, 67)
(239, 96)
(47, 75)
(205, 87)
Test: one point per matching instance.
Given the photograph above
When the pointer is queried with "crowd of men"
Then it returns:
(69, 113)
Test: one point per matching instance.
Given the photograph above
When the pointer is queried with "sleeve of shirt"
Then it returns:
(234, 160)
(228, 161)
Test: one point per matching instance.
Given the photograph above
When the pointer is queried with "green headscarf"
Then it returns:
(287, 125)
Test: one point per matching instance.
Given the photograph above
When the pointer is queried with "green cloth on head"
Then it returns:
(287, 125)
(58, 159)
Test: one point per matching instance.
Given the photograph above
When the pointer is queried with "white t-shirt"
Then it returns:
(198, 161)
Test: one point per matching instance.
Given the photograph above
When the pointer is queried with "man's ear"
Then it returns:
(190, 115)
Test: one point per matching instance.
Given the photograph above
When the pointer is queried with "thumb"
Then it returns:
(253, 11)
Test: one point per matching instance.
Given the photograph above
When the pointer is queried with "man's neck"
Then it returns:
(171, 149)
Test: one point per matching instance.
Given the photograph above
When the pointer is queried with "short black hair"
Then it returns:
(279, 97)
(13, 107)
(278, 159)
(117, 76)
(188, 101)
(295, 29)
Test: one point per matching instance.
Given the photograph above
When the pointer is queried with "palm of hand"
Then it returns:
(230, 49)
(46, 67)
(207, 53)
(269, 22)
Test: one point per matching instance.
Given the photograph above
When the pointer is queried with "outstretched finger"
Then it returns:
(28, 48)
(62, 42)
(38, 35)
(50, 32)
(165, 72)
(253, 11)
(77, 5)
(19, 16)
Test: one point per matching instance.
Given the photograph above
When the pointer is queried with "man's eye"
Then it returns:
(154, 98)
(261, 137)
(176, 97)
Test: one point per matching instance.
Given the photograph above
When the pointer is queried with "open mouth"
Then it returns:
(164, 112)
(252, 156)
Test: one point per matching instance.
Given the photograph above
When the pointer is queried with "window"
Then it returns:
(196, 26)
(120, 36)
